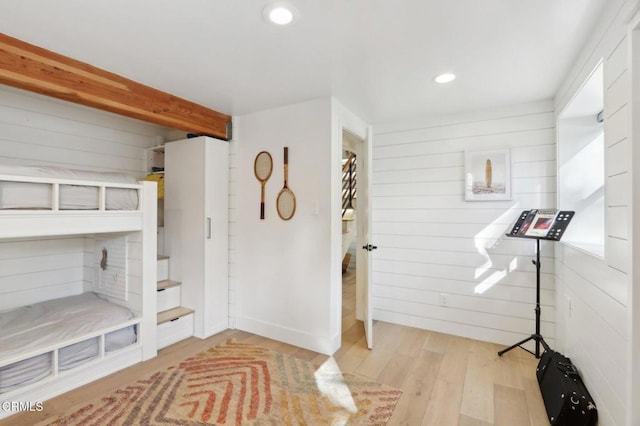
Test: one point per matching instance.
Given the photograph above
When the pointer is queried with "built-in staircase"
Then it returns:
(175, 322)
(349, 202)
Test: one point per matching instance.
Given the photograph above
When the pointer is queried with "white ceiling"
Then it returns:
(377, 57)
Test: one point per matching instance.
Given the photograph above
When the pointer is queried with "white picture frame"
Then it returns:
(487, 175)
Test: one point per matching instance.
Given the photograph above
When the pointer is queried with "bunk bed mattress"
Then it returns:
(40, 325)
(25, 195)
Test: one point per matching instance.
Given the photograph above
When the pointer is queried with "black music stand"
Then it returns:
(528, 218)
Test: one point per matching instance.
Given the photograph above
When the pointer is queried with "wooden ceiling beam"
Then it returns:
(38, 70)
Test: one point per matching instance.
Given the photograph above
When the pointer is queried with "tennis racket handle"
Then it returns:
(286, 154)
(262, 210)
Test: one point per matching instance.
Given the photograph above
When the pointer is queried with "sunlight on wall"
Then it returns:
(488, 238)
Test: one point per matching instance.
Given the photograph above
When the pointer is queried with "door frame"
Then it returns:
(362, 132)
(364, 260)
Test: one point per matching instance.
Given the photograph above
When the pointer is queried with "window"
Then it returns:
(581, 175)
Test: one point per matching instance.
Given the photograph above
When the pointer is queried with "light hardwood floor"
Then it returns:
(446, 380)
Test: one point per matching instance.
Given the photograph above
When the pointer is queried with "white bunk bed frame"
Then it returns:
(25, 223)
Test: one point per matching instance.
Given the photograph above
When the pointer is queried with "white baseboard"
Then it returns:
(321, 344)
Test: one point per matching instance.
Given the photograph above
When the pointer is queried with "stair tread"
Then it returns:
(173, 313)
(167, 283)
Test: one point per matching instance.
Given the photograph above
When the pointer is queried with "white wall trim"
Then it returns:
(321, 344)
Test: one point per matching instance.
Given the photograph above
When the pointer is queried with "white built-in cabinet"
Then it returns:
(196, 228)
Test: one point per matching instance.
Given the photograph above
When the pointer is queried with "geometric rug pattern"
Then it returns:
(243, 384)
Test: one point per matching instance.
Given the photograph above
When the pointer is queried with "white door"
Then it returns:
(364, 309)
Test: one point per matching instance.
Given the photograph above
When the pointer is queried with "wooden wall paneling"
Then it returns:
(37, 130)
(451, 215)
(468, 230)
(615, 62)
(609, 281)
(432, 242)
(498, 335)
(426, 145)
(617, 189)
(516, 293)
(134, 270)
(617, 158)
(544, 152)
(24, 265)
(470, 258)
(597, 293)
(66, 115)
(418, 188)
(456, 201)
(491, 305)
(473, 318)
(451, 173)
(11, 249)
(464, 273)
(617, 96)
(616, 126)
(607, 375)
(505, 245)
(43, 138)
(533, 185)
(33, 154)
(542, 168)
(25, 110)
(32, 68)
(39, 278)
(618, 254)
(591, 283)
(36, 270)
(508, 123)
(420, 161)
(618, 222)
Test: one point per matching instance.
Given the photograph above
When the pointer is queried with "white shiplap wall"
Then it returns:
(35, 270)
(134, 283)
(36, 130)
(593, 301)
(433, 245)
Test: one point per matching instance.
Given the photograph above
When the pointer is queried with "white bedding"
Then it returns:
(22, 195)
(42, 324)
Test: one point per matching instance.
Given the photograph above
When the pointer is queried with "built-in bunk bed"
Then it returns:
(53, 342)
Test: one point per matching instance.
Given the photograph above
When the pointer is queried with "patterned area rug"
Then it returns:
(243, 384)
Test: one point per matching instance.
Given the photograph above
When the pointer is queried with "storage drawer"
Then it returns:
(173, 331)
(168, 298)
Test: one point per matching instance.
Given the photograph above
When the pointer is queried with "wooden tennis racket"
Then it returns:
(262, 168)
(286, 203)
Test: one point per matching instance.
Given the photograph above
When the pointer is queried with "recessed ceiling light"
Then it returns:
(444, 78)
(280, 13)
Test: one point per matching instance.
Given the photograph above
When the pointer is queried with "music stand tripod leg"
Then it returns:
(536, 336)
(515, 345)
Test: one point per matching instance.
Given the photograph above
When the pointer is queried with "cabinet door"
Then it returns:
(216, 258)
(185, 221)
(196, 210)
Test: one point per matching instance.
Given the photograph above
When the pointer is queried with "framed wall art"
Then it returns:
(487, 175)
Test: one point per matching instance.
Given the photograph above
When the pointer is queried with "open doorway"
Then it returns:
(348, 212)
(356, 247)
